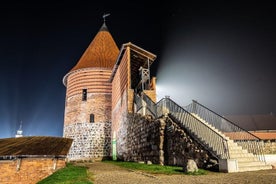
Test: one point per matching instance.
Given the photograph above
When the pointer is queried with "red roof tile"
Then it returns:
(102, 52)
(265, 135)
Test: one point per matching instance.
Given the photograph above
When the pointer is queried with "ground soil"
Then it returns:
(106, 173)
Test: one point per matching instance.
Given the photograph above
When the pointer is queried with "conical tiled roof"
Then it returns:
(102, 52)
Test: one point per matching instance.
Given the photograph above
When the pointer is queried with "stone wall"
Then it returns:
(179, 147)
(269, 147)
(28, 170)
(162, 142)
(145, 139)
(91, 141)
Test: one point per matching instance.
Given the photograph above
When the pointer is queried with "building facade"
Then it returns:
(100, 92)
(87, 116)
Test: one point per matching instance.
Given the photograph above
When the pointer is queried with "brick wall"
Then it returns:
(119, 124)
(78, 111)
(30, 170)
(120, 81)
(96, 82)
(120, 103)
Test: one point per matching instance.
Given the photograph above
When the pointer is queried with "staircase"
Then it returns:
(236, 149)
(245, 161)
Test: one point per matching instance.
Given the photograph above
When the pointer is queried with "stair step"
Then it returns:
(255, 168)
(248, 164)
(237, 150)
(242, 155)
(247, 159)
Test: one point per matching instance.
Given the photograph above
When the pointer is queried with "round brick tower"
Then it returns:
(87, 116)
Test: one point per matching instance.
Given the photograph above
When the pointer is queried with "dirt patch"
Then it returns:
(105, 173)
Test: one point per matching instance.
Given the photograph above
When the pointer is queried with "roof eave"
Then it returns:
(134, 47)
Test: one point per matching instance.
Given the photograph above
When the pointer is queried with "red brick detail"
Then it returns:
(101, 52)
(93, 79)
(31, 170)
(78, 111)
(120, 81)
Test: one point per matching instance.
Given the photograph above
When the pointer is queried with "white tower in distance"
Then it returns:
(19, 132)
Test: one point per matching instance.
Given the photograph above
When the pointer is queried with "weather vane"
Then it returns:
(105, 15)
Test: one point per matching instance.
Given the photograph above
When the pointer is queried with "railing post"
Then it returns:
(194, 106)
(166, 106)
(144, 108)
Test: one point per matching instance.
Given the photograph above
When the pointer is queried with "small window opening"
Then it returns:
(84, 94)
(91, 118)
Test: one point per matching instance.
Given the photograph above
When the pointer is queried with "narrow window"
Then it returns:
(84, 94)
(91, 118)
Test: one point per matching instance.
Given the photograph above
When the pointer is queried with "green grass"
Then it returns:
(69, 175)
(154, 168)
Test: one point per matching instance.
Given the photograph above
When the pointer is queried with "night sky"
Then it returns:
(221, 54)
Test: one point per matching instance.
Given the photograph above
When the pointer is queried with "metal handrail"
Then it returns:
(243, 138)
(199, 127)
(213, 141)
(150, 105)
(138, 102)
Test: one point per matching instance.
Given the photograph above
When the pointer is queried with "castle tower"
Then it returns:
(87, 116)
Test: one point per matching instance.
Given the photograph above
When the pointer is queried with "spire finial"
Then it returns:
(105, 15)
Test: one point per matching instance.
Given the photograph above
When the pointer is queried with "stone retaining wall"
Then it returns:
(179, 147)
(145, 139)
(162, 142)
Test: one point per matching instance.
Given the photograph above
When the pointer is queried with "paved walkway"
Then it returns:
(106, 173)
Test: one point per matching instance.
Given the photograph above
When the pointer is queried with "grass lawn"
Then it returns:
(69, 175)
(154, 168)
(73, 174)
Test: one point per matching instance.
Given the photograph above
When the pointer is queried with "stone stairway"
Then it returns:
(244, 160)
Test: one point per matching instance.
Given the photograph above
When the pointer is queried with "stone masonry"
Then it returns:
(180, 147)
(163, 142)
(91, 140)
(270, 147)
(145, 139)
